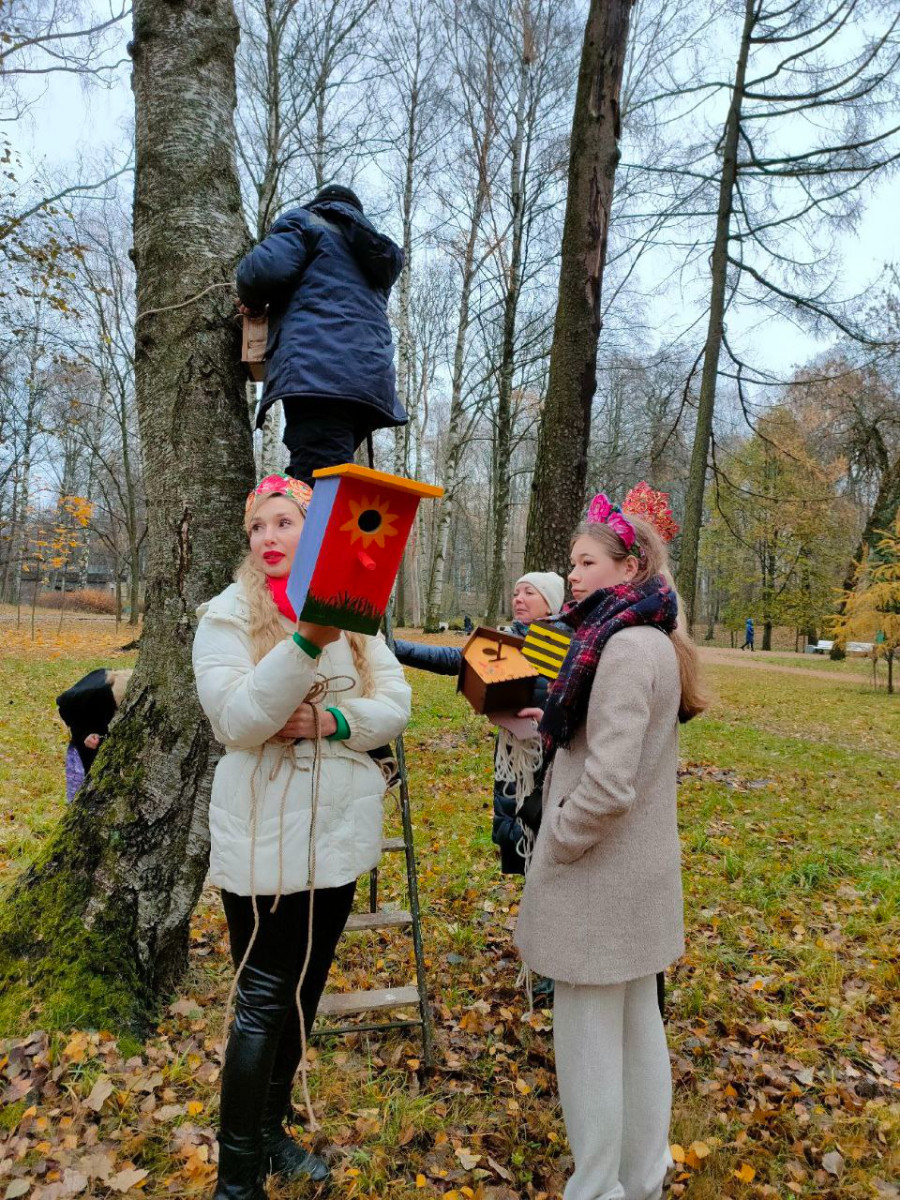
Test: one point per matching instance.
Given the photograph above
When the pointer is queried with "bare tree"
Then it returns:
(827, 68)
(98, 927)
(561, 466)
(303, 76)
(471, 106)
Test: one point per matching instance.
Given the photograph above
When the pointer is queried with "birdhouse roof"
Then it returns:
(480, 655)
(367, 475)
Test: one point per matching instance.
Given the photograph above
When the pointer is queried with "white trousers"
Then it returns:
(615, 1083)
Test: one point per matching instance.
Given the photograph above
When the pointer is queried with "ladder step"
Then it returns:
(341, 1004)
(396, 843)
(378, 920)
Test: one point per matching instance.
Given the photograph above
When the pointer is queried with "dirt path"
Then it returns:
(753, 662)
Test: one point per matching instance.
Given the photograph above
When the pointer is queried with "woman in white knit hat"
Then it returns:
(536, 596)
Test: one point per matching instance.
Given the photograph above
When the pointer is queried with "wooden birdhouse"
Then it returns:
(356, 530)
(253, 346)
(495, 676)
(546, 647)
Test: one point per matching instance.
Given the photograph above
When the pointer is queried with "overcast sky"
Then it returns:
(71, 122)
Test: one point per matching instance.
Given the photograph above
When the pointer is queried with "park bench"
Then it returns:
(820, 647)
(859, 647)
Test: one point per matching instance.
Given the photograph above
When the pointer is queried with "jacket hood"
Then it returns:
(380, 258)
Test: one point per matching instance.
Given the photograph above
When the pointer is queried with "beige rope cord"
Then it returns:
(519, 762)
(288, 757)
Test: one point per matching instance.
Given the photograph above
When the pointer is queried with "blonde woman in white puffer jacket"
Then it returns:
(255, 668)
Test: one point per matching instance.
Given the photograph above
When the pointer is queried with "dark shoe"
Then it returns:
(240, 1175)
(289, 1161)
(541, 988)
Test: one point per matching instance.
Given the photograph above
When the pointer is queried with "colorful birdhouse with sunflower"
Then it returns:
(356, 530)
(495, 676)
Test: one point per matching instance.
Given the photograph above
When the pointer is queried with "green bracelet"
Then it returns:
(308, 647)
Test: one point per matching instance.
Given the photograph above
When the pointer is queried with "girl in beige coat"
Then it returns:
(602, 909)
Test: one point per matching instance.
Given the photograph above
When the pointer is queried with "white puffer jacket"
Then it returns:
(247, 704)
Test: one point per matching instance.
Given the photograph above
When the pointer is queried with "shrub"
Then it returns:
(90, 600)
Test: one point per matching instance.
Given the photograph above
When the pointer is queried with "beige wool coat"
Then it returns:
(602, 901)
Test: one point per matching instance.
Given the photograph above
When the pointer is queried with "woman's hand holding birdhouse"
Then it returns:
(319, 635)
(533, 714)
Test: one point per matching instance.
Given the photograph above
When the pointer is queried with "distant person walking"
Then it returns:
(323, 274)
(748, 634)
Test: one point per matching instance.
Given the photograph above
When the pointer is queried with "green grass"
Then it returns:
(783, 1021)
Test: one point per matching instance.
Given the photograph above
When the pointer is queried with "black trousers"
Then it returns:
(322, 433)
(264, 1047)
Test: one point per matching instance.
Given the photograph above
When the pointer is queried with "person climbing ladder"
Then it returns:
(323, 275)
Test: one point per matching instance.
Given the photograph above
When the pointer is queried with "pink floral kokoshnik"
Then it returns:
(602, 512)
(281, 485)
(642, 501)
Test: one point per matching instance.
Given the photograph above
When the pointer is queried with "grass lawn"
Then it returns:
(783, 1019)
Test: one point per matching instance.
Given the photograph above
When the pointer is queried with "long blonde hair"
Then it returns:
(266, 629)
(654, 560)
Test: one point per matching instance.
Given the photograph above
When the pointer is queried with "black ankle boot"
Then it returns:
(289, 1161)
(240, 1175)
(282, 1156)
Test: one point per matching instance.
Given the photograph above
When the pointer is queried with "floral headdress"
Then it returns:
(602, 511)
(653, 507)
(281, 485)
(642, 501)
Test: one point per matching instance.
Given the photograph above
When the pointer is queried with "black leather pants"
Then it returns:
(264, 1046)
(322, 433)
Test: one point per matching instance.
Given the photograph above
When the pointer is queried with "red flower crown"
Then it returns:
(642, 501)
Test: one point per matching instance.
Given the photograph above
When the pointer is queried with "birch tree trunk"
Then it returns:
(97, 929)
(503, 448)
(456, 440)
(557, 497)
(696, 487)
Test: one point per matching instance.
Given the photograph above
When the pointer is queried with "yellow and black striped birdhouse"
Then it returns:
(546, 647)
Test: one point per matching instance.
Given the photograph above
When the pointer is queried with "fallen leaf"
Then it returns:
(501, 1171)
(745, 1173)
(124, 1180)
(833, 1163)
(467, 1159)
(100, 1092)
(18, 1187)
(98, 1165)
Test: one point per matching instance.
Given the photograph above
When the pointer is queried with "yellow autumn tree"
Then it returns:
(871, 611)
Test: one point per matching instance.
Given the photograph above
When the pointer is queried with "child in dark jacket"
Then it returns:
(535, 596)
(323, 274)
(87, 708)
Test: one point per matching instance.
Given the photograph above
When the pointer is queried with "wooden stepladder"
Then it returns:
(336, 1006)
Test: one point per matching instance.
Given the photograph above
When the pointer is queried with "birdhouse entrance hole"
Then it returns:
(370, 520)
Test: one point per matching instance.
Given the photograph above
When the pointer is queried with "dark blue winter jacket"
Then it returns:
(506, 830)
(325, 274)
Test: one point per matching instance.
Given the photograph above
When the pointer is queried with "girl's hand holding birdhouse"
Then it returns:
(302, 723)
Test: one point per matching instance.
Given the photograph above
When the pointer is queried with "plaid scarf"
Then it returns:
(595, 619)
